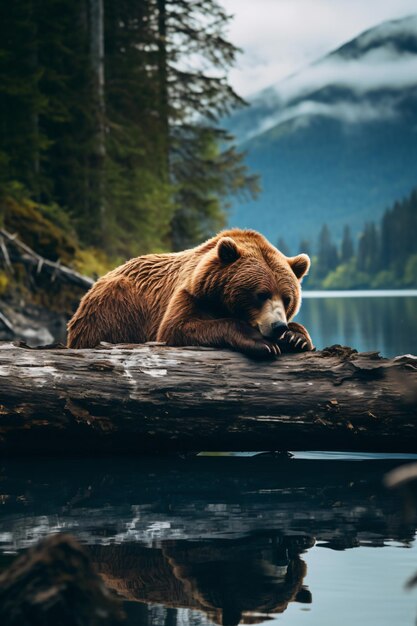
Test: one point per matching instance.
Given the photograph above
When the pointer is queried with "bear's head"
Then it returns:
(241, 275)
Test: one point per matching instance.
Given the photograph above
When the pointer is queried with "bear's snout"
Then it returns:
(279, 328)
(272, 319)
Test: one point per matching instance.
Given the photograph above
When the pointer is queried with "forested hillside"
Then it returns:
(109, 124)
(384, 255)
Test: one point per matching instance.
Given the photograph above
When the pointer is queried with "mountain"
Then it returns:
(335, 142)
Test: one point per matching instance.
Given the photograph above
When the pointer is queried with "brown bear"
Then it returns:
(234, 291)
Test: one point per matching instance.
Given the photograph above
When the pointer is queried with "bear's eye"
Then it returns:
(263, 296)
(286, 300)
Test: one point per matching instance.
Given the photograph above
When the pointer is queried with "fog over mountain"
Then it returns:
(337, 141)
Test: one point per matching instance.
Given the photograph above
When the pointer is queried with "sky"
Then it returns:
(279, 37)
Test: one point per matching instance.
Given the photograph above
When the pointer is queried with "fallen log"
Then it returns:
(20, 252)
(40, 294)
(157, 399)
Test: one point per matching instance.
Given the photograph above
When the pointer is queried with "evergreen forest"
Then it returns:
(110, 142)
(383, 257)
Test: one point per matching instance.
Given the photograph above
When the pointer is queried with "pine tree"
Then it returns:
(68, 122)
(327, 256)
(140, 196)
(347, 250)
(96, 15)
(111, 111)
(22, 143)
(204, 166)
(368, 250)
(397, 235)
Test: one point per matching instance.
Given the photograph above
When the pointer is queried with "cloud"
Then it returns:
(348, 112)
(383, 68)
(279, 37)
(378, 69)
(391, 29)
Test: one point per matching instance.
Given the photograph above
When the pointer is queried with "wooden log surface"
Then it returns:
(157, 399)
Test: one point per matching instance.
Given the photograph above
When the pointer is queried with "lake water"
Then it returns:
(366, 320)
(312, 540)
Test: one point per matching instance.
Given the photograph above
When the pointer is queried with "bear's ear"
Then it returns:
(227, 250)
(300, 265)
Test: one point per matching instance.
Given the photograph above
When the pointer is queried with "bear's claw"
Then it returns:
(262, 350)
(276, 349)
(296, 342)
(273, 349)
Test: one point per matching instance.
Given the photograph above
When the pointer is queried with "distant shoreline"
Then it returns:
(359, 293)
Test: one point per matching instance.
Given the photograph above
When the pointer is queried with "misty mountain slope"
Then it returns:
(336, 142)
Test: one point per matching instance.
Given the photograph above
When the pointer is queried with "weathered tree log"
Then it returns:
(22, 253)
(157, 399)
(40, 299)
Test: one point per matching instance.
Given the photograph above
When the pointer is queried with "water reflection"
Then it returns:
(216, 540)
(382, 323)
(228, 580)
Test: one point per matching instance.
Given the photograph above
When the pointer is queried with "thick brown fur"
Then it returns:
(217, 294)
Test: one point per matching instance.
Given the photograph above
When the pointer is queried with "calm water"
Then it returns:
(313, 540)
(227, 539)
(383, 321)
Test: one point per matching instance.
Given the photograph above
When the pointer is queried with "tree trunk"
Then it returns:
(163, 85)
(156, 399)
(97, 66)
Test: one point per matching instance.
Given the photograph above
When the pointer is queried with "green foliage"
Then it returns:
(163, 174)
(346, 276)
(4, 283)
(143, 208)
(204, 166)
(206, 175)
(46, 229)
(385, 279)
(92, 262)
(410, 273)
(21, 100)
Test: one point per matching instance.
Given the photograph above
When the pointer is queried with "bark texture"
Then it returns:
(158, 399)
